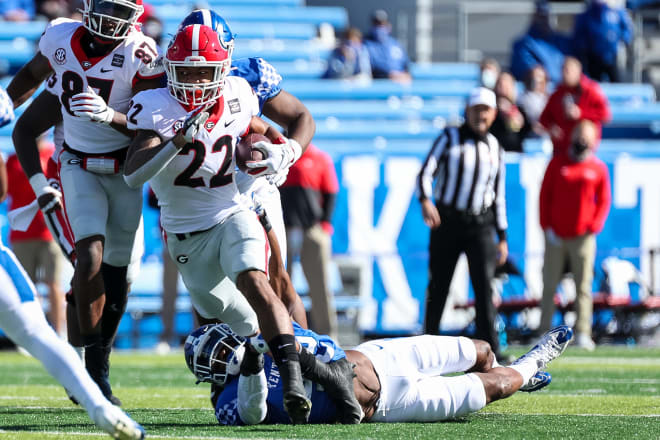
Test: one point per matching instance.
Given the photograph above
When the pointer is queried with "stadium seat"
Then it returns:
(31, 30)
(247, 30)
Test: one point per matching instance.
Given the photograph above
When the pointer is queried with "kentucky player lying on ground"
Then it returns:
(397, 380)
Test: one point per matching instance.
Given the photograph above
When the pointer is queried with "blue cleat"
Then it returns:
(540, 380)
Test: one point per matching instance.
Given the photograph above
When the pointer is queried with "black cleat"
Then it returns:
(97, 362)
(296, 403)
(337, 380)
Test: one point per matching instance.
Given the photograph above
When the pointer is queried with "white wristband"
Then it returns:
(39, 183)
(297, 149)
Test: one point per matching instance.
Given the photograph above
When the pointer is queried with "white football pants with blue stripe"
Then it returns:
(22, 319)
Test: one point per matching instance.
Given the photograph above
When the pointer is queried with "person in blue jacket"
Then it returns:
(388, 58)
(597, 35)
(540, 45)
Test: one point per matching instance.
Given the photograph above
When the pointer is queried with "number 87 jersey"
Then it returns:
(111, 77)
(196, 189)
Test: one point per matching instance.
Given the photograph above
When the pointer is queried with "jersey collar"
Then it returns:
(85, 61)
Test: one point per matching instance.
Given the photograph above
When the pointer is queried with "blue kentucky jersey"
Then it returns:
(323, 409)
(261, 75)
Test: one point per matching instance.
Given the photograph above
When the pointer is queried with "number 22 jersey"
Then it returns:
(111, 76)
(196, 190)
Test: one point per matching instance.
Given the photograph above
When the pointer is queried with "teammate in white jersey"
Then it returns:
(184, 146)
(98, 65)
(22, 319)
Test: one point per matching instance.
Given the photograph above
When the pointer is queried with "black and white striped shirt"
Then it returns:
(468, 170)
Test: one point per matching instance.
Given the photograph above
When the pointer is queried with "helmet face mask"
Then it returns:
(111, 19)
(195, 49)
(210, 350)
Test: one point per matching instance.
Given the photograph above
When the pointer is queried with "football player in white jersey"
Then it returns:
(98, 64)
(23, 321)
(186, 134)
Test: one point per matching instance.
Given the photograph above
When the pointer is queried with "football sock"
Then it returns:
(116, 296)
(527, 368)
(283, 348)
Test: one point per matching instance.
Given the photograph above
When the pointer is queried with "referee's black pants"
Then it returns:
(474, 235)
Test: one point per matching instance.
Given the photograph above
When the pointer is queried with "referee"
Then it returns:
(467, 166)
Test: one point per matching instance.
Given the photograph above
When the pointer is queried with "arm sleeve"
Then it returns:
(603, 200)
(500, 200)
(252, 394)
(424, 186)
(6, 108)
(545, 196)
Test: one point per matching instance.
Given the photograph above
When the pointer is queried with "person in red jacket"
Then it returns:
(308, 201)
(575, 99)
(35, 248)
(575, 200)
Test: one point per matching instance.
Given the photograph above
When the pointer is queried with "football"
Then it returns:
(245, 152)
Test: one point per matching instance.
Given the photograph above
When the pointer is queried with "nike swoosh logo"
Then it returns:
(279, 347)
(227, 124)
(105, 71)
(379, 346)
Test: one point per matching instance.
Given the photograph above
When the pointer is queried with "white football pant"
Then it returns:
(412, 386)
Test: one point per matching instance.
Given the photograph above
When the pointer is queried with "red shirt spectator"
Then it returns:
(575, 196)
(310, 190)
(21, 194)
(577, 97)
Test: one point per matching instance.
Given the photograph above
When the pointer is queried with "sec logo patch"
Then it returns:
(60, 56)
(183, 259)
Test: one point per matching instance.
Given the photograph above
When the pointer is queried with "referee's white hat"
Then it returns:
(482, 96)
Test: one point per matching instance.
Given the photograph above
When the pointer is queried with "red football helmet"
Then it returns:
(111, 19)
(196, 48)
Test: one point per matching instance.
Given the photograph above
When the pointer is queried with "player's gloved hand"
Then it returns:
(49, 198)
(253, 361)
(279, 156)
(191, 127)
(89, 105)
(278, 178)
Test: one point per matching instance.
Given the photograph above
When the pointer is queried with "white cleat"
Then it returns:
(551, 345)
(117, 423)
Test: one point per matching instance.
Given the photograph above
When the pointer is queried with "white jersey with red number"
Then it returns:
(111, 77)
(197, 189)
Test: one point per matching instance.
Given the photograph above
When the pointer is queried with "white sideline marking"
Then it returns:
(103, 434)
(609, 360)
(652, 416)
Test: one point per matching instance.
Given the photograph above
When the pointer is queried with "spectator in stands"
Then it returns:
(308, 201)
(388, 58)
(350, 59)
(535, 97)
(52, 9)
(35, 248)
(597, 35)
(489, 72)
(152, 26)
(576, 98)
(574, 203)
(511, 126)
(540, 45)
(17, 10)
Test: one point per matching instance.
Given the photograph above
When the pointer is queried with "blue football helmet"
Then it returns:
(212, 19)
(213, 352)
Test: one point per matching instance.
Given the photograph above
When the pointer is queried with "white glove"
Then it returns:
(192, 125)
(234, 361)
(89, 105)
(52, 198)
(278, 178)
(278, 156)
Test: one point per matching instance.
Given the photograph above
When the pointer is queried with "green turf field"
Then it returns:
(613, 393)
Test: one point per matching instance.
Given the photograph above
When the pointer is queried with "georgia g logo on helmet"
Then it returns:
(196, 64)
(111, 19)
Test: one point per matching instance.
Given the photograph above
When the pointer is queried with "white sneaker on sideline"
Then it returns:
(585, 342)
